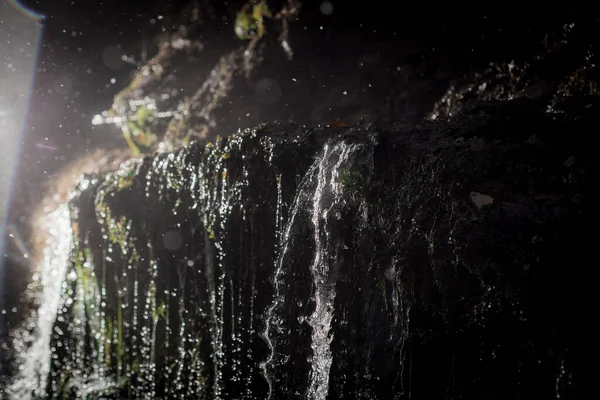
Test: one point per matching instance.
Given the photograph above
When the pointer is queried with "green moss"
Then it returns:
(249, 22)
(135, 367)
(117, 230)
(143, 115)
(353, 182)
(88, 254)
(160, 312)
(129, 139)
(65, 379)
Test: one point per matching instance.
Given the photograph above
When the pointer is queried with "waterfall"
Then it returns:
(35, 366)
(301, 264)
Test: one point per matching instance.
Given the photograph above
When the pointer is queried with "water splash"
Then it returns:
(35, 367)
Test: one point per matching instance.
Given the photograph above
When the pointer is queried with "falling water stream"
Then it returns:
(35, 367)
(327, 195)
(321, 192)
(276, 263)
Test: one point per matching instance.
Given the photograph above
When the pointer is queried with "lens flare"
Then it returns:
(24, 11)
(20, 32)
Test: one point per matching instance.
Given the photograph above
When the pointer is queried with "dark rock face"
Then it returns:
(560, 76)
(442, 260)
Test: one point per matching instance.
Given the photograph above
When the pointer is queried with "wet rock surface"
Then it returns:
(439, 260)
(558, 75)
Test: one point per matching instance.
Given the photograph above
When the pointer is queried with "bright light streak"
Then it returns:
(20, 31)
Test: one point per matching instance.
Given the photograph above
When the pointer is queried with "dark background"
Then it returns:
(431, 43)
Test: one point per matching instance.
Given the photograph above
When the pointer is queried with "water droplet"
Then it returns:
(172, 240)
(326, 8)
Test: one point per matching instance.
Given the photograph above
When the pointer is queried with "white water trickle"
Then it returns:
(327, 196)
(35, 366)
(281, 248)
